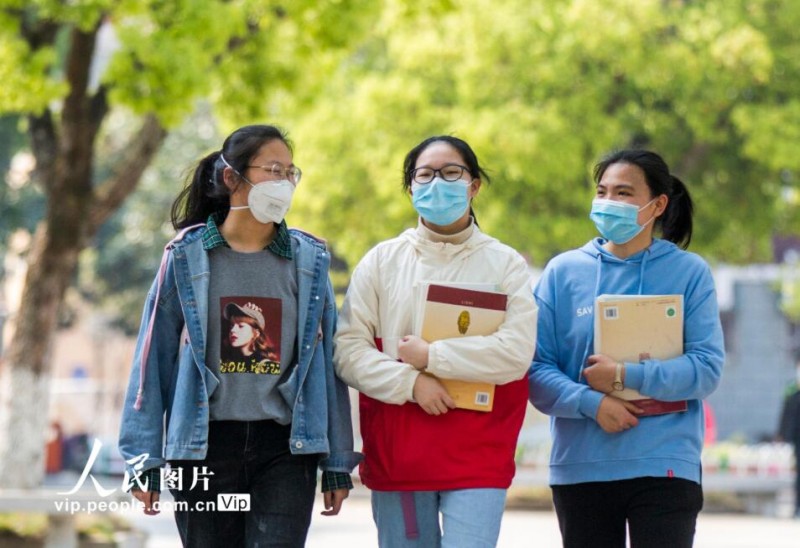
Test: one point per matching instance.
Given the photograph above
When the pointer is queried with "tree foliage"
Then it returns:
(116, 271)
(20, 203)
(544, 88)
(68, 67)
(541, 89)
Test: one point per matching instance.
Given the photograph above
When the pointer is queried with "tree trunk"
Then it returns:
(75, 212)
(63, 146)
(24, 385)
(23, 420)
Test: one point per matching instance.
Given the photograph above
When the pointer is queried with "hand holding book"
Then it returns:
(633, 329)
(600, 372)
(451, 312)
(615, 415)
(429, 393)
(413, 350)
(432, 396)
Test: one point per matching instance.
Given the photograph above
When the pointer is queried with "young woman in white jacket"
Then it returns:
(423, 456)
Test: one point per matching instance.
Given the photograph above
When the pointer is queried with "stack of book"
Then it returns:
(448, 311)
(634, 328)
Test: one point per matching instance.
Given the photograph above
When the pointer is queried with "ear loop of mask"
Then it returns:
(651, 219)
(224, 161)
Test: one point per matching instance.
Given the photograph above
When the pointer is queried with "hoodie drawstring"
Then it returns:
(590, 339)
(641, 270)
(598, 278)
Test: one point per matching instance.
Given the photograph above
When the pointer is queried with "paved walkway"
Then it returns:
(353, 528)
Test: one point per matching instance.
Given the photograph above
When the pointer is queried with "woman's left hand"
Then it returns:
(414, 351)
(333, 501)
(600, 373)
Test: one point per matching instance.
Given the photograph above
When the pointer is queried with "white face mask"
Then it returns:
(269, 201)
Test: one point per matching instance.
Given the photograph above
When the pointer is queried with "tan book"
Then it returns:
(633, 328)
(449, 311)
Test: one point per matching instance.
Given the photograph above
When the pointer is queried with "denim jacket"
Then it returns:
(175, 386)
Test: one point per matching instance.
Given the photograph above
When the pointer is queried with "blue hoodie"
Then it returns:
(660, 446)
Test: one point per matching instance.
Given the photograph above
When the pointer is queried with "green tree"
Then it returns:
(117, 270)
(19, 201)
(67, 68)
(544, 88)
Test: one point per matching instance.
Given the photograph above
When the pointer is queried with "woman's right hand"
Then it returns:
(616, 415)
(148, 498)
(432, 396)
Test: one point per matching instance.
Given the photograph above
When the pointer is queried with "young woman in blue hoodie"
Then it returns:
(609, 465)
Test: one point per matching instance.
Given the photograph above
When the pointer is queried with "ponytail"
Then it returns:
(676, 222)
(206, 193)
(474, 217)
(203, 195)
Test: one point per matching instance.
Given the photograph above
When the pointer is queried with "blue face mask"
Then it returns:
(616, 221)
(441, 202)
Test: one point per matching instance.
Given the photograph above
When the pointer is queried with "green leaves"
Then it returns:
(24, 73)
(542, 90)
(167, 55)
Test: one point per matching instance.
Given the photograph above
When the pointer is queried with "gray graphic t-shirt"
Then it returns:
(252, 326)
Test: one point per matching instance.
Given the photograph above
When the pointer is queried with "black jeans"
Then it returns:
(254, 458)
(660, 512)
(797, 480)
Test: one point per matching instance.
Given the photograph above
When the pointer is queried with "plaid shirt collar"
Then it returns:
(281, 245)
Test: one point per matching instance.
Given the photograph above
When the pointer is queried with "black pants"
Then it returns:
(659, 512)
(797, 480)
(253, 458)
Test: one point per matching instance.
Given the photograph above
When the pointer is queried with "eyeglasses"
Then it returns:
(448, 172)
(276, 169)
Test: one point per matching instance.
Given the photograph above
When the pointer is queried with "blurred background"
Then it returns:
(107, 105)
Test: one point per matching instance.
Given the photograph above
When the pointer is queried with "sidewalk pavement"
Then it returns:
(353, 527)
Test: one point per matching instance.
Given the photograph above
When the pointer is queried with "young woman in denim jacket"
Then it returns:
(257, 431)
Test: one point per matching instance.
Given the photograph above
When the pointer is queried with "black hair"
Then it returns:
(206, 193)
(676, 221)
(464, 150)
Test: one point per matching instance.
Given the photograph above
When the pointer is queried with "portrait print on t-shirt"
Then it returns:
(251, 335)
